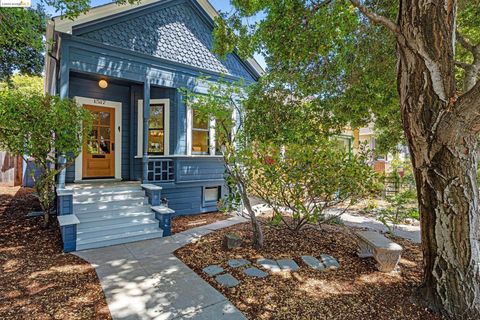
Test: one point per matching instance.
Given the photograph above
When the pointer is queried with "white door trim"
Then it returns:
(81, 101)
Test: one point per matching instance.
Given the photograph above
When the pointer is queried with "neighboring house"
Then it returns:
(127, 64)
(11, 170)
(365, 137)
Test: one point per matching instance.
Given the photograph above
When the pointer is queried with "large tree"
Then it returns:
(310, 47)
(21, 42)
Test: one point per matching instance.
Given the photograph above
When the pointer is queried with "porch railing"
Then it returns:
(161, 170)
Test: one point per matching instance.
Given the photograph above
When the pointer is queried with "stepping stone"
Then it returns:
(313, 263)
(236, 263)
(255, 272)
(269, 264)
(329, 262)
(288, 265)
(227, 280)
(213, 270)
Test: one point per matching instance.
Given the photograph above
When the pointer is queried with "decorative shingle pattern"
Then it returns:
(174, 33)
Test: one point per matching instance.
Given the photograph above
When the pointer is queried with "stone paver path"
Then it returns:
(144, 280)
(313, 263)
(237, 263)
(329, 261)
(288, 265)
(227, 280)
(269, 264)
(255, 272)
(213, 270)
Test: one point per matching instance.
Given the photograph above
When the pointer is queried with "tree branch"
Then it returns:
(376, 18)
(462, 65)
(464, 42)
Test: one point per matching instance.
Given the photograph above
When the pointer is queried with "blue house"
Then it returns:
(148, 156)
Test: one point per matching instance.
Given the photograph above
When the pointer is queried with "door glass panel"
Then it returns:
(104, 133)
(104, 147)
(104, 118)
(92, 147)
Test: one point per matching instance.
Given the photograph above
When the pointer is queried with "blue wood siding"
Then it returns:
(198, 169)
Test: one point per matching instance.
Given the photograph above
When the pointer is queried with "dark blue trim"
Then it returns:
(146, 60)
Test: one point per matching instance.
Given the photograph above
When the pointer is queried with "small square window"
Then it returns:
(211, 194)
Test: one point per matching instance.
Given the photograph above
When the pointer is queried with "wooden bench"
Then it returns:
(386, 252)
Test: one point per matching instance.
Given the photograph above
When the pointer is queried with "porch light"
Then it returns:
(103, 83)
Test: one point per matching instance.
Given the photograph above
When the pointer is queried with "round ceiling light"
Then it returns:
(103, 83)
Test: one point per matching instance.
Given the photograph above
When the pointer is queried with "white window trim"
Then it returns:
(81, 101)
(211, 134)
(166, 130)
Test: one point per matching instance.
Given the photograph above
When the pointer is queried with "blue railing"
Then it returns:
(161, 170)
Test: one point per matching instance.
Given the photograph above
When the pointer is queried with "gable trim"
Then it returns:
(106, 12)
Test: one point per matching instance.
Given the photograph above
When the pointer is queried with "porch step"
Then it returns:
(110, 206)
(84, 233)
(111, 240)
(113, 217)
(85, 195)
(102, 188)
(86, 199)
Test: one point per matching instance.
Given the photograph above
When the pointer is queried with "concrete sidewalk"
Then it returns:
(144, 280)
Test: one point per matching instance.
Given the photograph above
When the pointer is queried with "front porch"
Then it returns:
(99, 214)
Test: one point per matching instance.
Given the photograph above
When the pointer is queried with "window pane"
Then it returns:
(156, 116)
(199, 123)
(104, 117)
(155, 141)
(199, 142)
(211, 194)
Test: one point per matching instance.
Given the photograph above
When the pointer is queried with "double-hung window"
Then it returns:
(200, 134)
(158, 127)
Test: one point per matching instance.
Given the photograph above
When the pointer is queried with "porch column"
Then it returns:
(146, 116)
(64, 93)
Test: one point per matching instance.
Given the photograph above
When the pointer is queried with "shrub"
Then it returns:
(302, 182)
(42, 127)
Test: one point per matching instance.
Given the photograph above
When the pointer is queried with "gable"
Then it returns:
(176, 33)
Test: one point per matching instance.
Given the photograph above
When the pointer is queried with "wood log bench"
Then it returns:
(386, 252)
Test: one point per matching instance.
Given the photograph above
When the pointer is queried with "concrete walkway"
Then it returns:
(144, 280)
(408, 232)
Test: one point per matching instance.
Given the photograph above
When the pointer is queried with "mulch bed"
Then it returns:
(355, 291)
(183, 223)
(38, 280)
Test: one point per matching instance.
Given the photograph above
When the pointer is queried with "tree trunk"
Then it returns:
(257, 239)
(444, 157)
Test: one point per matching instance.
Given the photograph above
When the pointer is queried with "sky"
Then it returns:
(220, 5)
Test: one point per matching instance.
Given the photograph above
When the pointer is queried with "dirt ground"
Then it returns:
(355, 291)
(183, 223)
(38, 280)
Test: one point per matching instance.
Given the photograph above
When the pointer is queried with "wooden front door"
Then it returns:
(99, 147)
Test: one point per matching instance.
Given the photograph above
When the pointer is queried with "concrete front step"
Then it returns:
(114, 217)
(104, 189)
(118, 239)
(84, 233)
(110, 206)
(114, 213)
(107, 196)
